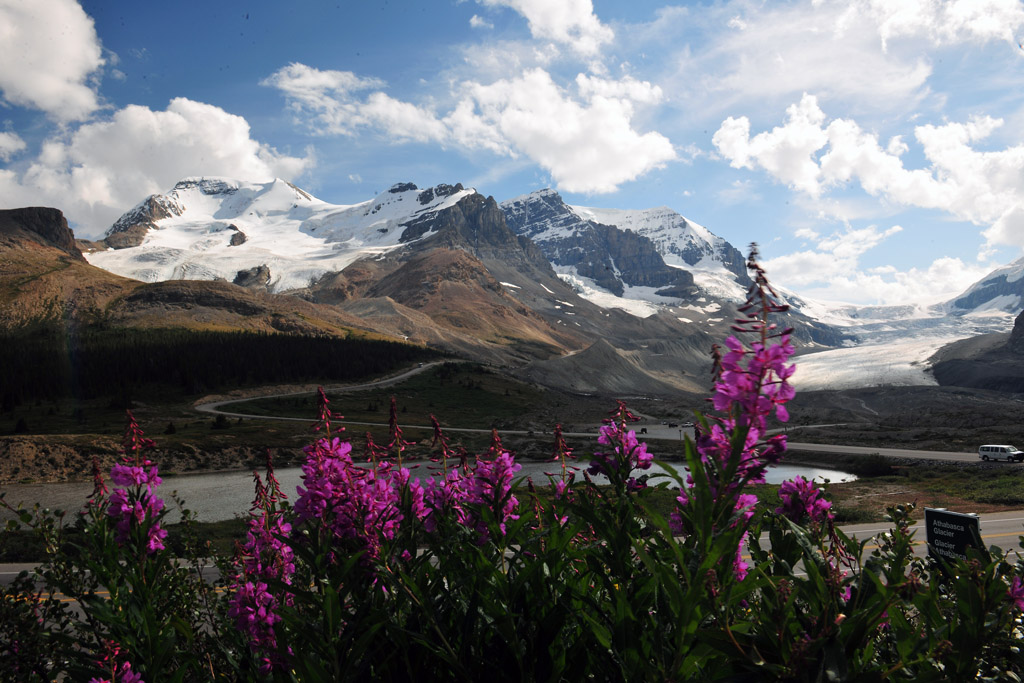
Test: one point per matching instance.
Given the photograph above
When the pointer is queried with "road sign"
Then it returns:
(949, 534)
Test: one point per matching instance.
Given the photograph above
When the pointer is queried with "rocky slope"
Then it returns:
(439, 266)
(647, 260)
(993, 361)
(44, 278)
(43, 275)
(611, 257)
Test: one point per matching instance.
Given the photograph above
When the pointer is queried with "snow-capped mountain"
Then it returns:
(225, 229)
(533, 278)
(1002, 290)
(655, 254)
(438, 266)
(647, 260)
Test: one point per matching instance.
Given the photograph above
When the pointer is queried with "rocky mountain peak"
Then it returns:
(207, 185)
(42, 225)
(130, 229)
(428, 195)
(1002, 289)
(613, 258)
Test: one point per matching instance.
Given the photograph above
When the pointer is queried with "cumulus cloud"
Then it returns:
(566, 22)
(983, 187)
(585, 140)
(628, 88)
(10, 144)
(587, 146)
(479, 22)
(104, 168)
(786, 152)
(335, 104)
(51, 51)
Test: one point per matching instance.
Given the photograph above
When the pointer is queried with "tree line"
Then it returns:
(48, 362)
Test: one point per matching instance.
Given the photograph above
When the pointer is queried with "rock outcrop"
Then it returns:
(254, 278)
(612, 257)
(990, 361)
(130, 229)
(43, 225)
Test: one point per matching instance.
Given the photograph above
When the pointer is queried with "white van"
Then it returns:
(1000, 452)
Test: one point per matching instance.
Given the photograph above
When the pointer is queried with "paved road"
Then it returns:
(950, 456)
(653, 429)
(215, 406)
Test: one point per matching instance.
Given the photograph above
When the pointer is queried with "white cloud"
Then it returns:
(871, 55)
(983, 187)
(10, 144)
(760, 52)
(586, 143)
(104, 168)
(336, 105)
(831, 271)
(331, 97)
(787, 152)
(586, 146)
(50, 52)
(738, 192)
(627, 88)
(479, 22)
(947, 21)
(834, 256)
(567, 22)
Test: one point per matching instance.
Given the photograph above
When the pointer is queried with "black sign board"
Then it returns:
(949, 534)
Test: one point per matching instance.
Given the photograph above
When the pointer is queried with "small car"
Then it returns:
(1000, 452)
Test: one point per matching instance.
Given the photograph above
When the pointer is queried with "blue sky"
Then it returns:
(872, 148)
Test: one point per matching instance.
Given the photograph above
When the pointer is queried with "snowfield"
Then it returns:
(297, 236)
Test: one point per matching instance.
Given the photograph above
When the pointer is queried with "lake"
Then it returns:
(224, 495)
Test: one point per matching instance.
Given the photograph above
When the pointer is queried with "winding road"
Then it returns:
(654, 430)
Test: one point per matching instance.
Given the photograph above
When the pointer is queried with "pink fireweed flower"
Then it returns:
(740, 567)
(119, 673)
(135, 504)
(264, 552)
(563, 485)
(751, 385)
(122, 674)
(360, 506)
(445, 498)
(99, 488)
(628, 454)
(402, 480)
(801, 499)
(266, 556)
(131, 509)
(132, 475)
(1016, 593)
(254, 609)
(491, 487)
(398, 444)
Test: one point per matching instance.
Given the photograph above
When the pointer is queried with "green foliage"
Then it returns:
(594, 585)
